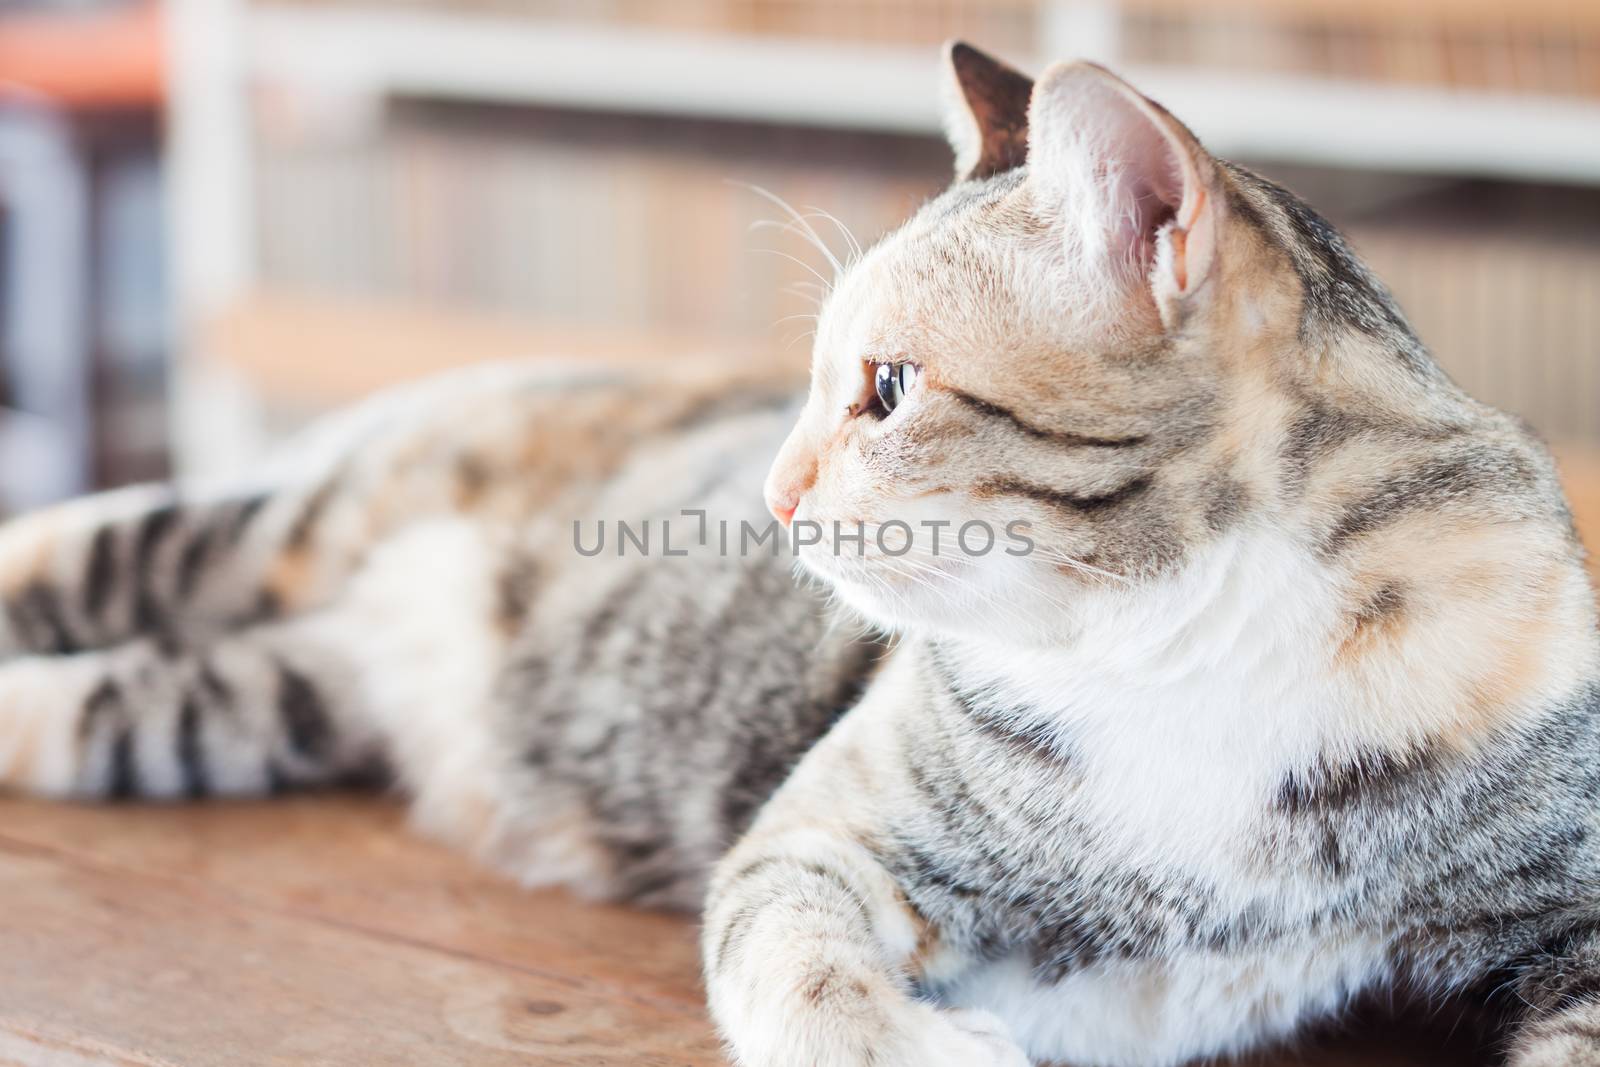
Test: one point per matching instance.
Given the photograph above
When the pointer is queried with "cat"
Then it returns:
(1286, 692)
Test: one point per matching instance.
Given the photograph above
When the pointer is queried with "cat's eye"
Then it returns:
(892, 382)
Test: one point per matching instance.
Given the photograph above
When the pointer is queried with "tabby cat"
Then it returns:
(1292, 694)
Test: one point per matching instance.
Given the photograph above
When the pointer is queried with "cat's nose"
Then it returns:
(793, 474)
(782, 502)
(791, 477)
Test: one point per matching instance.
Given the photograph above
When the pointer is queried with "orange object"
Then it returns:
(84, 61)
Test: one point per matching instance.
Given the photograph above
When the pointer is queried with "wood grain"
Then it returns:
(315, 931)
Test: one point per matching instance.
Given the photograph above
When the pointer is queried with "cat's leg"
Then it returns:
(807, 945)
(160, 563)
(182, 564)
(392, 673)
(1556, 995)
(811, 948)
(259, 709)
(142, 650)
(113, 567)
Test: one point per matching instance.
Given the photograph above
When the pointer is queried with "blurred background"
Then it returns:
(219, 217)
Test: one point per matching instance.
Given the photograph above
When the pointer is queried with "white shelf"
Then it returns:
(518, 60)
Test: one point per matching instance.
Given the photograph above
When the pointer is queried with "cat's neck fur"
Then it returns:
(1233, 653)
(1230, 636)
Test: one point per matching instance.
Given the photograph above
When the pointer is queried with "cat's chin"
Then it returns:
(890, 606)
(930, 602)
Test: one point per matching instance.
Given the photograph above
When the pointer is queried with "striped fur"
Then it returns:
(1296, 698)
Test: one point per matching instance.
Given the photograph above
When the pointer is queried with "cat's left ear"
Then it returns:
(985, 112)
(1133, 187)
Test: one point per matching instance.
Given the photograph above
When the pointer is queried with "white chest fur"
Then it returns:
(1182, 705)
(1182, 712)
(1149, 1013)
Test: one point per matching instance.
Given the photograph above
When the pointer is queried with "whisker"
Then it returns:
(796, 339)
(849, 238)
(954, 581)
(955, 554)
(1055, 555)
(805, 291)
(801, 262)
(804, 235)
(799, 220)
(1007, 609)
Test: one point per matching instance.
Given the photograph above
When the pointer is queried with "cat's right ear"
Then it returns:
(985, 112)
(1136, 195)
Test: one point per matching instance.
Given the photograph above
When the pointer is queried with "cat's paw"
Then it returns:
(949, 1037)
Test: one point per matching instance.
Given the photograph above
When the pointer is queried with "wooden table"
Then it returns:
(318, 931)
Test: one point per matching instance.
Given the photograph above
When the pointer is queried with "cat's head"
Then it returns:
(1082, 346)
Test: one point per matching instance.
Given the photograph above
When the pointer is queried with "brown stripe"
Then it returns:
(306, 522)
(1436, 482)
(785, 895)
(153, 528)
(1058, 498)
(101, 575)
(191, 562)
(246, 513)
(39, 610)
(729, 403)
(105, 704)
(998, 725)
(733, 934)
(1327, 786)
(305, 718)
(992, 410)
(191, 750)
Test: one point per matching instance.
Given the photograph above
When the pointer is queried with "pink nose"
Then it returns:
(783, 510)
(793, 474)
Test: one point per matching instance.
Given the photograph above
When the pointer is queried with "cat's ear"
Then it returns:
(1131, 186)
(985, 112)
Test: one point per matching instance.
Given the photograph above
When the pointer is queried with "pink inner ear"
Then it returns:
(1147, 177)
(1122, 172)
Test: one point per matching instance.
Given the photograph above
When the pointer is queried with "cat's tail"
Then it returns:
(250, 712)
(132, 669)
(154, 644)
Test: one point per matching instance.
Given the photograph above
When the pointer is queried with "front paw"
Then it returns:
(948, 1037)
(911, 1034)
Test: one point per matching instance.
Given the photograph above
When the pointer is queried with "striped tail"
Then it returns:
(253, 712)
(157, 646)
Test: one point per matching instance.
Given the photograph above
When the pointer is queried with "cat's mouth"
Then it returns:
(894, 587)
(891, 570)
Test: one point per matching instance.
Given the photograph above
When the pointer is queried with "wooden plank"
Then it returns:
(105, 966)
(348, 861)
